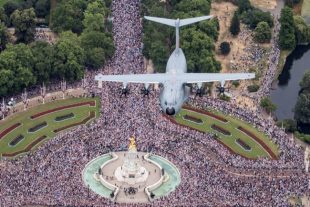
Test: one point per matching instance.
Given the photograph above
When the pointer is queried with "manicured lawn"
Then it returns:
(230, 140)
(80, 113)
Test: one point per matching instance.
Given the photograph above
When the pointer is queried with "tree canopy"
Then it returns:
(262, 32)
(287, 39)
(24, 23)
(197, 40)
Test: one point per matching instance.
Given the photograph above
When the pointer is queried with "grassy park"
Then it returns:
(247, 146)
(24, 131)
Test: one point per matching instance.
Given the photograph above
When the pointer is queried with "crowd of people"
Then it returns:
(210, 174)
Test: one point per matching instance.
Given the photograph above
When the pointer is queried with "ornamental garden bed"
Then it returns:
(220, 129)
(8, 130)
(208, 113)
(90, 103)
(263, 144)
(37, 127)
(84, 121)
(16, 140)
(244, 145)
(27, 149)
(64, 117)
(193, 119)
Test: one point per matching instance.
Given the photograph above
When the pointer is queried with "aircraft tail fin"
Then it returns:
(177, 23)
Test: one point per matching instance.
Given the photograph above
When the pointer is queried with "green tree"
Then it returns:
(24, 23)
(262, 33)
(267, 104)
(69, 57)
(98, 47)
(69, 15)
(10, 7)
(243, 5)
(6, 81)
(43, 54)
(42, 8)
(287, 39)
(305, 83)
(302, 108)
(235, 25)
(18, 59)
(198, 49)
(225, 48)
(4, 36)
(94, 16)
(302, 30)
(4, 18)
(254, 16)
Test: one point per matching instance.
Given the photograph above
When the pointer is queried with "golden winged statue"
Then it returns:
(132, 144)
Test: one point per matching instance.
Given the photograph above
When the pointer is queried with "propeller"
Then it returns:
(124, 90)
(221, 89)
(199, 91)
(145, 91)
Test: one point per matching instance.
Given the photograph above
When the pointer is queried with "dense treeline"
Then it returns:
(41, 9)
(302, 108)
(25, 62)
(259, 21)
(197, 41)
(294, 30)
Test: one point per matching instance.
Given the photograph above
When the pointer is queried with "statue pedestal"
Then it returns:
(131, 172)
(131, 178)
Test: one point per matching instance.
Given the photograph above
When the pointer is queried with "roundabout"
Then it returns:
(131, 176)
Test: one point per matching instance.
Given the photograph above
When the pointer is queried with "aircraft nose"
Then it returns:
(170, 111)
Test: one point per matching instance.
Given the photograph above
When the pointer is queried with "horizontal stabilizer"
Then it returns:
(174, 22)
(184, 22)
(169, 22)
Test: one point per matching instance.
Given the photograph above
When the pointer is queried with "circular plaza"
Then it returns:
(131, 176)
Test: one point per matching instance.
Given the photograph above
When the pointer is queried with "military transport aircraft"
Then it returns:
(175, 81)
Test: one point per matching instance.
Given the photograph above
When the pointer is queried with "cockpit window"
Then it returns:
(166, 103)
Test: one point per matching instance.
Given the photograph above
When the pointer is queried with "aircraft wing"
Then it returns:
(134, 78)
(213, 77)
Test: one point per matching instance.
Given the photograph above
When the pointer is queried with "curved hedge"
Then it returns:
(193, 119)
(90, 103)
(16, 140)
(84, 121)
(37, 127)
(220, 129)
(8, 130)
(215, 116)
(64, 117)
(243, 144)
(263, 144)
(27, 149)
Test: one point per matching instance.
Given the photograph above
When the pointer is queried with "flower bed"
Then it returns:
(193, 119)
(90, 103)
(27, 149)
(8, 130)
(37, 127)
(263, 144)
(220, 129)
(208, 113)
(84, 121)
(64, 117)
(243, 144)
(218, 140)
(16, 140)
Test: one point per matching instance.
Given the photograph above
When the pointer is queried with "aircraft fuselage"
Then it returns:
(174, 92)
